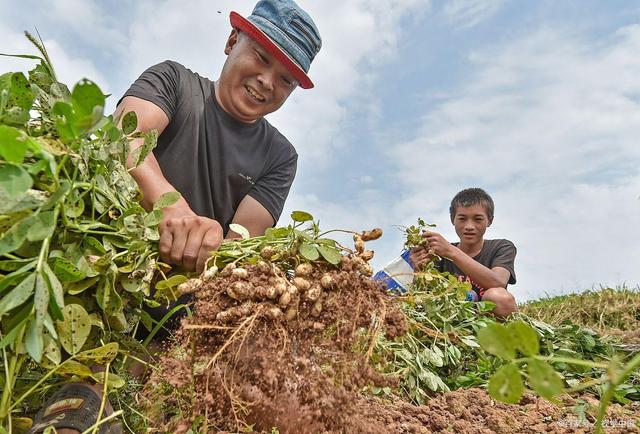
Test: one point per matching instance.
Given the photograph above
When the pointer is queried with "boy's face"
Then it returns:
(252, 83)
(471, 222)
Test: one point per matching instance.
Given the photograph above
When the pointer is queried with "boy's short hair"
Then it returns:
(469, 197)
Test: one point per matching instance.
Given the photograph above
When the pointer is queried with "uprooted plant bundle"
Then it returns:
(281, 338)
(77, 251)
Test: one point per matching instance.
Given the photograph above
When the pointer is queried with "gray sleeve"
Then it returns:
(160, 85)
(272, 188)
(505, 257)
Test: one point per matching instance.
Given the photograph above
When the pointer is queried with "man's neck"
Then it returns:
(219, 101)
(471, 249)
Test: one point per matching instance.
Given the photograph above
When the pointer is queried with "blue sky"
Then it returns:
(538, 102)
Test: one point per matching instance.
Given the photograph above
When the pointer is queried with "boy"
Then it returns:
(487, 264)
(215, 147)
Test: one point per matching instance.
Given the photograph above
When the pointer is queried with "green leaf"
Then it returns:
(14, 180)
(327, 242)
(167, 199)
(17, 275)
(74, 329)
(301, 216)
(525, 337)
(470, 341)
(34, 340)
(54, 199)
(309, 251)
(81, 286)
(95, 244)
(140, 153)
(20, 93)
(113, 380)
(52, 350)
(42, 226)
(171, 281)
(74, 205)
(129, 122)
(18, 295)
(14, 144)
(433, 358)
(133, 284)
(331, 255)
(65, 270)
(56, 292)
(430, 379)
(273, 234)
(86, 95)
(41, 298)
(100, 355)
(544, 379)
(506, 384)
(14, 237)
(240, 230)
(497, 340)
(10, 337)
(71, 367)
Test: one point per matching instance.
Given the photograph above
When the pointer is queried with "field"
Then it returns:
(285, 332)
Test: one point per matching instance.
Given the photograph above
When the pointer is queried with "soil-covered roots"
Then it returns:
(268, 350)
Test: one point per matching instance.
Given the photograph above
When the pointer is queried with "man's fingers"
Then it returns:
(178, 243)
(164, 245)
(210, 242)
(192, 247)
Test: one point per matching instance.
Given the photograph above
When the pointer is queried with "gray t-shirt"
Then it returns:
(494, 253)
(211, 158)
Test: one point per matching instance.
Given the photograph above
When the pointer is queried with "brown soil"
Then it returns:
(473, 411)
(246, 360)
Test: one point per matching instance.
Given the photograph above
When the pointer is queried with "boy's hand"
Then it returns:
(438, 245)
(187, 239)
(419, 256)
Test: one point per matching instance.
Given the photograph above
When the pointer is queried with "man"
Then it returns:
(487, 264)
(215, 148)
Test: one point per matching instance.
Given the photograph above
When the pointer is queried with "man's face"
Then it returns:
(471, 223)
(252, 83)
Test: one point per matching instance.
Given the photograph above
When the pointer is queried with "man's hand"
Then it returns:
(419, 256)
(187, 239)
(438, 245)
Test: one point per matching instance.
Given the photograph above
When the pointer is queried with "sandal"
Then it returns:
(74, 406)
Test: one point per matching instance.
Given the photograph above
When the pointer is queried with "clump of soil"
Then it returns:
(264, 350)
(473, 411)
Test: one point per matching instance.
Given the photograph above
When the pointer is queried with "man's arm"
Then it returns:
(253, 216)
(496, 277)
(186, 239)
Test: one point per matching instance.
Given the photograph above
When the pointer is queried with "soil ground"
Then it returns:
(252, 363)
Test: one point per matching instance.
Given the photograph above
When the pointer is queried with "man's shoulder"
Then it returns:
(179, 70)
(279, 141)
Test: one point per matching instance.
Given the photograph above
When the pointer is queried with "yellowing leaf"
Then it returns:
(74, 329)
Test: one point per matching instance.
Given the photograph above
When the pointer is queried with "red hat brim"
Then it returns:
(246, 26)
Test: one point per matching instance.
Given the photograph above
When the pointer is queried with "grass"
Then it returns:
(613, 311)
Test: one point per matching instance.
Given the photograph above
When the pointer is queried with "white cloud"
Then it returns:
(549, 124)
(70, 69)
(468, 13)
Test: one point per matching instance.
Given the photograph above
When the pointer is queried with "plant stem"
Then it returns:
(611, 387)
(104, 398)
(569, 360)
